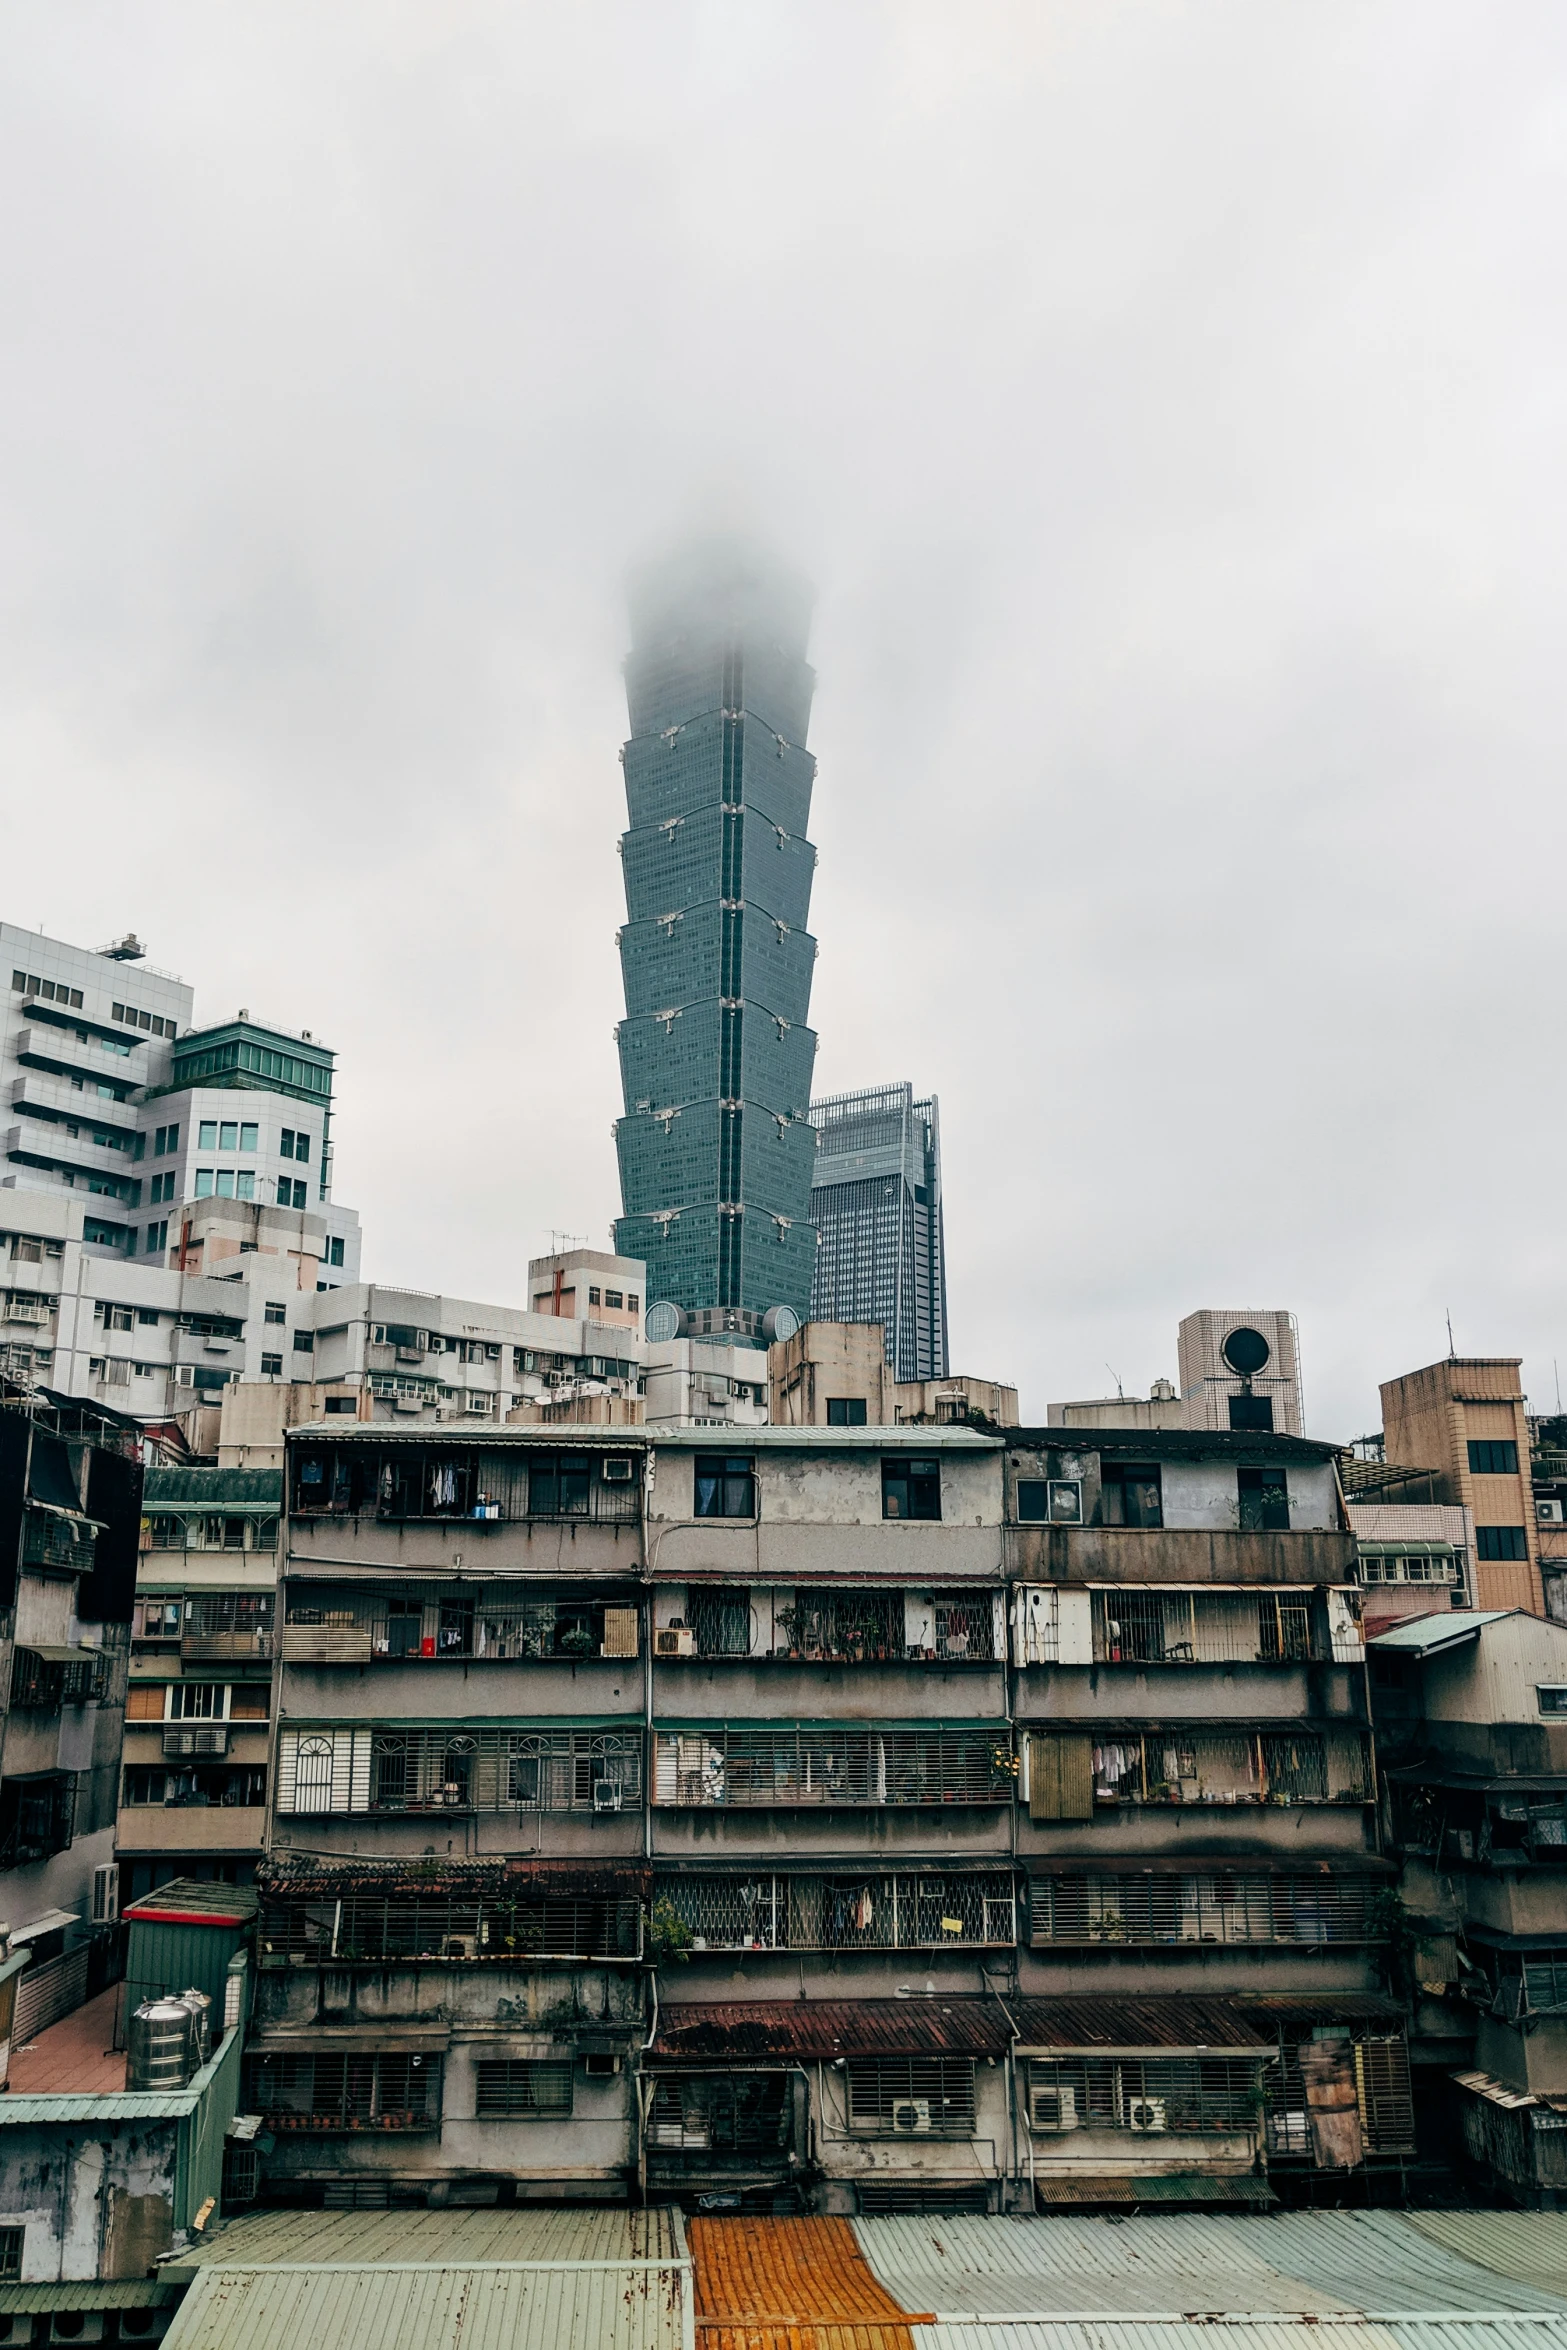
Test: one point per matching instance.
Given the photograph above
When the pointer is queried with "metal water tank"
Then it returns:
(201, 2011)
(161, 2051)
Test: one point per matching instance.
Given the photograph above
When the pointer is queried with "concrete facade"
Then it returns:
(1465, 1418)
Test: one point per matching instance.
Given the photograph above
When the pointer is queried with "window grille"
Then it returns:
(432, 1770)
(723, 1620)
(1139, 1626)
(726, 2113)
(830, 1764)
(1246, 1766)
(304, 1926)
(1186, 2096)
(845, 1911)
(914, 2096)
(11, 2241)
(209, 1614)
(1382, 2089)
(1545, 1984)
(1230, 1906)
(37, 1817)
(361, 2090)
(524, 2089)
(410, 1481)
(502, 1626)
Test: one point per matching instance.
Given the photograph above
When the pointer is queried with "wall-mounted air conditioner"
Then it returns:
(607, 1794)
(615, 1468)
(1549, 1513)
(911, 2113)
(106, 1893)
(1145, 2113)
(674, 1640)
(1053, 2109)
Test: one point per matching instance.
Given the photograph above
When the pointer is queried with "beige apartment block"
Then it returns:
(836, 1374)
(1466, 1420)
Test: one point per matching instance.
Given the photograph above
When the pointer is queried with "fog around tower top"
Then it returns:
(1164, 406)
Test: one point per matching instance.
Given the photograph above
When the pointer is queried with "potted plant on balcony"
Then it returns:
(575, 1641)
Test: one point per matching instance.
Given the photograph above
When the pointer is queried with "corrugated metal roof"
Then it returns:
(1131, 2023)
(1173, 1444)
(456, 2308)
(1445, 1628)
(1171, 2187)
(130, 2293)
(1132, 2334)
(804, 2030)
(1318, 2007)
(1151, 2334)
(212, 1489)
(785, 2272)
(125, 2106)
(1292, 2264)
(446, 2238)
(1527, 2244)
(1149, 2266)
(196, 1901)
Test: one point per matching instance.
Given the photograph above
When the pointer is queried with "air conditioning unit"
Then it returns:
(607, 1794)
(673, 1640)
(461, 1946)
(1145, 2113)
(911, 2113)
(615, 1469)
(1052, 2109)
(1549, 1513)
(178, 1742)
(106, 1893)
(214, 1739)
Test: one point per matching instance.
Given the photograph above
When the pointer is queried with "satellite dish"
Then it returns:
(1246, 1351)
(664, 1321)
(779, 1322)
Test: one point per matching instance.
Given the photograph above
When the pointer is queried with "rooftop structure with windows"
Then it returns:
(876, 1204)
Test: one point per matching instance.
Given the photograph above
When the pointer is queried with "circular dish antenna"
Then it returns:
(664, 1321)
(1246, 1351)
(779, 1322)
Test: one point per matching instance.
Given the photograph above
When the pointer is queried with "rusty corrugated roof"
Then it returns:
(1319, 2007)
(1160, 2022)
(807, 2030)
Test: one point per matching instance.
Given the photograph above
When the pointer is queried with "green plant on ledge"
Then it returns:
(669, 1937)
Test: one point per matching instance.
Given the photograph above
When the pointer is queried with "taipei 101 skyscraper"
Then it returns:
(716, 1146)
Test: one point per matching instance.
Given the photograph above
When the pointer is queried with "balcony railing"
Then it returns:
(406, 1928)
(355, 1628)
(826, 1764)
(389, 1769)
(1229, 1906)
(809, 1625)
(1073, 1770)
(358, 2091)
(1143, 1624)
(865, 1910)
(1146, 2097)
(403, 1483)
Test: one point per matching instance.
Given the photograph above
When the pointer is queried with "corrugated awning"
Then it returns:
(821, 2030)
(1404, 1550)
(1179, 2187)
(395, 2039)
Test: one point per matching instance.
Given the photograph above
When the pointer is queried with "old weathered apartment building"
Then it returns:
(839, 1818)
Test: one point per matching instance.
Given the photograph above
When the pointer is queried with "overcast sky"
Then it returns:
(1168, 403)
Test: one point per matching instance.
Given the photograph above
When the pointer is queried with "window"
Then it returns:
(228, 1134)
(1033, 1501)
(1130, 1494)
(248, 1137)
(207, 1135)
(1553, 1698)
(304, 1341)
(725, 1485)
(115, 1317)
(910, 1488)
(345, 2092)
(1500, 1542)
(11, 2238)
(558, 1485)
(290, 1194)
(334, 1252)
(1252, 1411)
(915, 2095)
(197, 1701)
(274, 1312)
(302, 1145)
(272, 1366)
(846, 1411)
(204, 1181)
(594, 1298)
(633, 1303)
(612, 1297)
(157, 1236)
(523, 2089)
(1493, 1457)
(1264, 1501)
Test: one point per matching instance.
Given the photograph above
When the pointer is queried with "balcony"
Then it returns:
(37, 1816)
(1073, 1773)
(352, 1628)
(809, 1624)
(1181, 1625)
(327, 2094)
(851, 1910)
(411, 1483)
(64, 1052)
(221, 1648)
(390, 1770)
(1176, 1554)
(92, 1151)
(1145, 1908)
(191, 1827)
(29, 1308)
(342, 1919)
(826, 1765)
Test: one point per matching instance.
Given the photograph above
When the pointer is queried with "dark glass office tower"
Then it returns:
(876, 1205)
(716, 1146)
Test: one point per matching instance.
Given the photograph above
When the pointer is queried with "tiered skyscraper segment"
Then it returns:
(716, 1146)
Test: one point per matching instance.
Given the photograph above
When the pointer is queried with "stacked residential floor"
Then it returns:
(858, 1820)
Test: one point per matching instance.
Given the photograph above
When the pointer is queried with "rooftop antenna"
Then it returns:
(1116, 1376)
(1452, 1351)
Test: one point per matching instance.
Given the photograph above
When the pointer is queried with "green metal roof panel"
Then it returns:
(1529, 2245)
(450, 2238)
(1444, 1628)
(212, 1489)
(453, 2308)
(43, 2299)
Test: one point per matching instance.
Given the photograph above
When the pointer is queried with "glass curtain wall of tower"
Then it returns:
(715, 1146)
(876, 1205)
